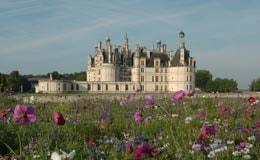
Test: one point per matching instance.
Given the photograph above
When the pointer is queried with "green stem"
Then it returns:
(9, 148)
(19, 140)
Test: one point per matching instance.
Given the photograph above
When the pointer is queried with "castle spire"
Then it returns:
(181, 40)
(126, 42)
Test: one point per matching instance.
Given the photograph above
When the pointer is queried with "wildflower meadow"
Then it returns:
(130, 127)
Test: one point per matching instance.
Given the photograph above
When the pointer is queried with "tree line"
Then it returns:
(205, 82)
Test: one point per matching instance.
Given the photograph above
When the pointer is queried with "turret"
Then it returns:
(126, 42)
(181, 40)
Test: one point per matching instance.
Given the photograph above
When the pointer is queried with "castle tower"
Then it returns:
(126, 43)
(181, 40)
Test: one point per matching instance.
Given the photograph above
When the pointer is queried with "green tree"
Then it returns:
(202, 78)
(222, 85)
(14, 80)
(255, 85)
(55, 75)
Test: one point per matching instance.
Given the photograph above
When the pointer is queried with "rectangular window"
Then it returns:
(152, 78)
(165, 87)
(142, 69)
(161, 88)
(106, 87)
(161, 78)
(157, 63)
(161, 70)
(142, 78)
(156, 87)
(156, 70)
(98, 87)
(126, 87)
(99, 72)
(117, 87)
(89, 87)
(165, 79)
(165, 70)
(187, 78)
(72, 87)
(142, 62)
(142, 87)
(156, 79)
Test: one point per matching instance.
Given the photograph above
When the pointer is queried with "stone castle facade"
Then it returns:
(116, 69)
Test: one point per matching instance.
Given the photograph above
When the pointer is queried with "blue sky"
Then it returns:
(39, 36)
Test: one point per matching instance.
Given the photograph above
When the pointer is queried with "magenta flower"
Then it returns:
(257, 124)
(190, 93)
(202, 114)
(208, 130)
(253, 100)
(138, 116)
(58, 118)
(224, 111)
(128, 147)
(148, 100)
(125, 100)
(177, 96)
(3, 115)
(145, 149)
(24, 114)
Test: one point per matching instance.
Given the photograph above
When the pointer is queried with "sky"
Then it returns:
(40, 36)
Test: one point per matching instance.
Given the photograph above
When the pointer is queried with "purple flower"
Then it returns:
(3, 116)
(253, 100)
(128, 147)
(125, 100)
(148, 101)
(138, 116)
(190, 93)
(177, 96)
(58, 118)
(145, 149)
(24, 114)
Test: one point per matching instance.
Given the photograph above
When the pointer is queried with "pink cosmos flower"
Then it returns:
(190, 93)
(58, 118)
(3, 115)
(224, 110)
(138, 116)
(125, 100)
(247, 130)
(177, 96)
(128, 148)
(202, 114)
(208, 130)
(148, 100)
(253, 100)
(257, 124)
(145, 149)
(24, 114)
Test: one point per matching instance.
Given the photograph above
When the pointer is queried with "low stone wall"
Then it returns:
(42, 98)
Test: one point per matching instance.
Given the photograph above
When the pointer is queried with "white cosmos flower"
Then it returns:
(211, 154)
(247, 156)
(175, 115)
(63, 155)
(188, 120)
(236, 153)
(251, 138)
